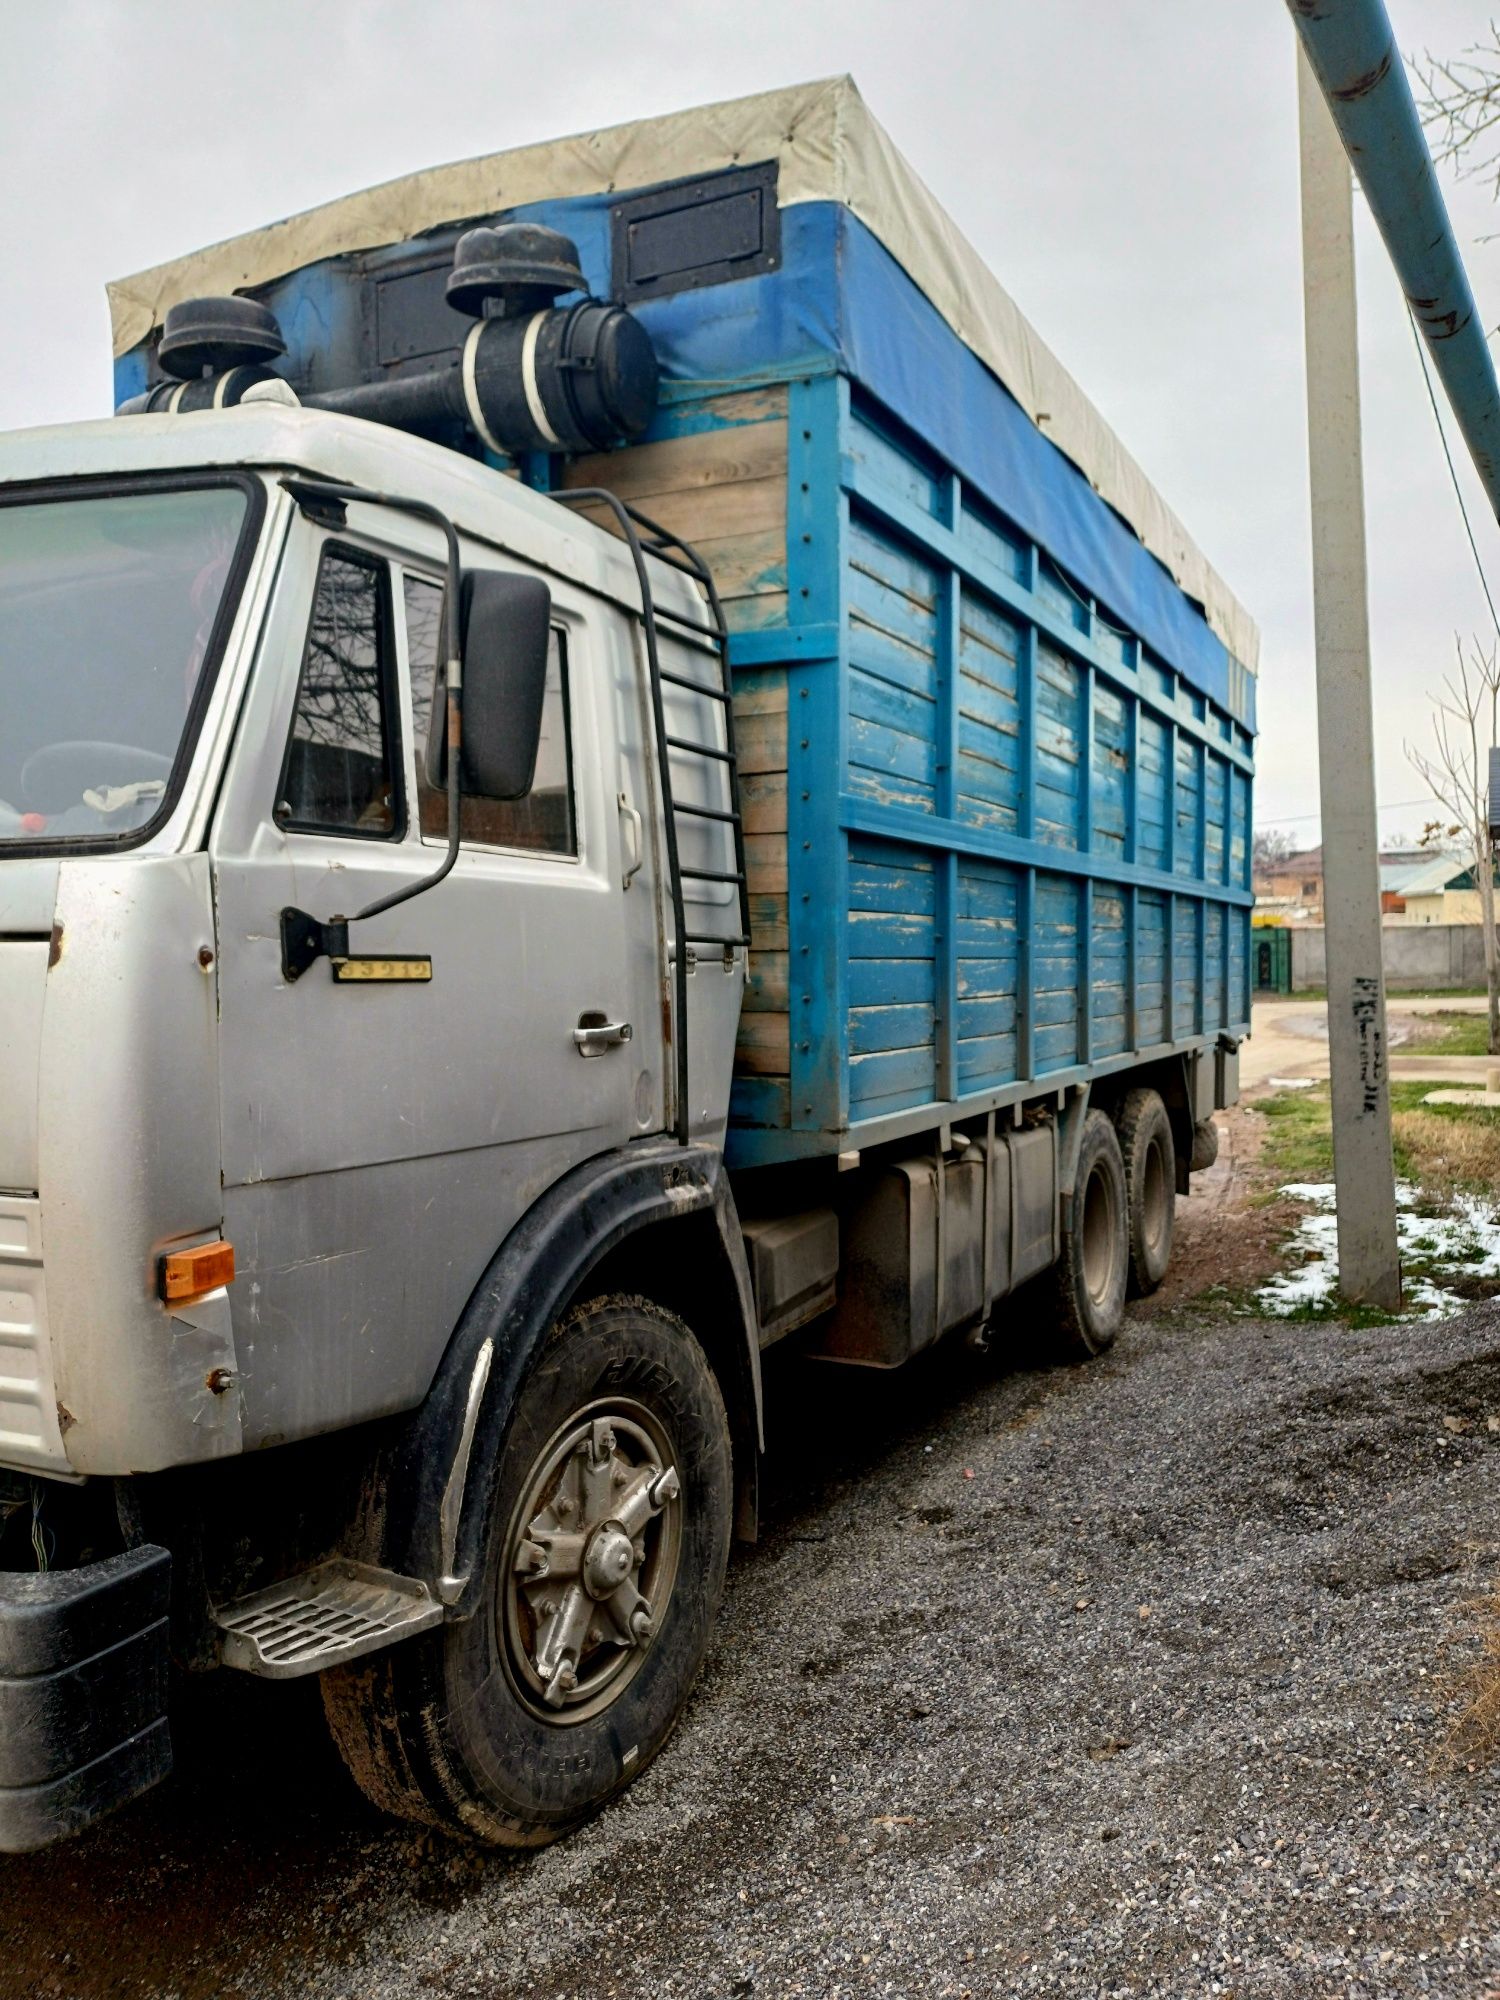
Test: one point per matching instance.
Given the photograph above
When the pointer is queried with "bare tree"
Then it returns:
(1459, 101)
(1456, 771)
(1270, 844)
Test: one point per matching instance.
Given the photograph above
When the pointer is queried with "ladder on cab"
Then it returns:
(644, 536)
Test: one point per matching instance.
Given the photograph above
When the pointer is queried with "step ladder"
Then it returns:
(643, 536)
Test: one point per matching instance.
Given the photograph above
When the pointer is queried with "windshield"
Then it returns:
(108, 608)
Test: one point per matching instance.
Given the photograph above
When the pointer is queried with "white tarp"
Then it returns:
(827, 148)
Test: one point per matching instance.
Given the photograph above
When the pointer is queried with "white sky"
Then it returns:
(1127, 167)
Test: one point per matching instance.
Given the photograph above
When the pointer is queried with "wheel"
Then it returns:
(1150, 1161)
(603, 1563)
(1087, 1283)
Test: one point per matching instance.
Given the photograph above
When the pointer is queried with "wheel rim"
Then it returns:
(1154, 1210)
(591, 1558)
(1099, 1246)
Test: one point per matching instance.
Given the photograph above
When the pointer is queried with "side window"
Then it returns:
(541, 822)
(340, 771)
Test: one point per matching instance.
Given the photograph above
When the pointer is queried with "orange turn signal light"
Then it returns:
(188, 1274)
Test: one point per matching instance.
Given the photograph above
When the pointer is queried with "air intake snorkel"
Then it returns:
(531, 376)
(220, 352)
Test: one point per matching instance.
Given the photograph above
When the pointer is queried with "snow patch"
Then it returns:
(1464, 1241)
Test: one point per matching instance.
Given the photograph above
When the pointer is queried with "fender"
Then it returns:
(429, 1492)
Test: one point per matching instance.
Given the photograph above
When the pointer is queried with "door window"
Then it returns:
(340, 771)
(542, 822)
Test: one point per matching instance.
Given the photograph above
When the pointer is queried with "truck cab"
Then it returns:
(246, 1202)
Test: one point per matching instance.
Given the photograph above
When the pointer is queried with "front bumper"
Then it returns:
(83, 1693)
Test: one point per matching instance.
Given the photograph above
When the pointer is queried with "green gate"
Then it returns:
(1271, 958)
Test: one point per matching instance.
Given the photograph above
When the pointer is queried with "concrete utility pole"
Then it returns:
(1369, 1265)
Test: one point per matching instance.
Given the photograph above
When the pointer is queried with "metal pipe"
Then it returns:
(1358, 67)
(428, 404)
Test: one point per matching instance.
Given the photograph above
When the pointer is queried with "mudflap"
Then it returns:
(83, 1693)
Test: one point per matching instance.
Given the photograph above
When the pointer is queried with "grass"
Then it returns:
(1393, 993)
(1476, 1734)
(1444, 1148)
(1458, 1035)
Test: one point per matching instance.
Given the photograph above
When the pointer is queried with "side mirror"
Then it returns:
(505, 623)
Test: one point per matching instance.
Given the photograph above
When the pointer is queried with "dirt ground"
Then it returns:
(1226, 1232)
(1138, 1679)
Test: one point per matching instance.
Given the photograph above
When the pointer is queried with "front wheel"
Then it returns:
(603, 1564)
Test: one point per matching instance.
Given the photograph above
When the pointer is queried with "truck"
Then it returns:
(604, 765)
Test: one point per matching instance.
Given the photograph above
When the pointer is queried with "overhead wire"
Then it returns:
(1437, 417)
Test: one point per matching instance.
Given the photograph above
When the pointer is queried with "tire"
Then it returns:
(1086, 1286)
(1150, 1161)
(475, 1727)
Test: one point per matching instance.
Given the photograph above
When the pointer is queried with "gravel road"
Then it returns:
(1124, 1680)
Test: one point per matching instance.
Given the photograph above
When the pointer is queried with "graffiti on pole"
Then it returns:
(1370, 1033)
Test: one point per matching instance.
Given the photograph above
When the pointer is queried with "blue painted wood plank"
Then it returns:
(892, 1079)
(872, 1029)
(1156, 684)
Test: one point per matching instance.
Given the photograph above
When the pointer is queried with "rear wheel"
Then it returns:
(603, 1564)
(1087, 1284)
(1150, 1160)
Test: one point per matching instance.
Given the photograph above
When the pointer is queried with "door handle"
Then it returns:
(637, 840)
(595, 1035)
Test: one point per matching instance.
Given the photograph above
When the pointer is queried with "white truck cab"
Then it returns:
(246, 1196)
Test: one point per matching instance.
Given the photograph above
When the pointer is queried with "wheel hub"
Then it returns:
(607, 1560)
(591, 1560)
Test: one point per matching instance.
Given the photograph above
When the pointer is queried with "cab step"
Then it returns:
(323, 1617)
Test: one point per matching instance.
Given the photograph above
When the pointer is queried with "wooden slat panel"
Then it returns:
(747, 565)
(762, 1046)
(763, 802)
(765, 863)
(760, 742)
(766, 990)
(759, 691)
(704, 460)
(768, 925)
(709, 513)
(758, 611)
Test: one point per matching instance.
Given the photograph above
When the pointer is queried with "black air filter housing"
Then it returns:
(575, 378)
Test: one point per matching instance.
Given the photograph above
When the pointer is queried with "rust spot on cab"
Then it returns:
(54, 946)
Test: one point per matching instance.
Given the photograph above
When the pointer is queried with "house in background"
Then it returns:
(1399, 867)
(1442, 892)
(1292, 887)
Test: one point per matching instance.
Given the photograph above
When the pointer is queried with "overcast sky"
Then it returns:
(1127, 168)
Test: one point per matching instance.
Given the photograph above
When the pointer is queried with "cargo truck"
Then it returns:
(605, 765)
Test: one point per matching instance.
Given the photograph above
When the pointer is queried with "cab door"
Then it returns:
(381, 1137)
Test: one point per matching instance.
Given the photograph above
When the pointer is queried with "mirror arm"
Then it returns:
(304, 938)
